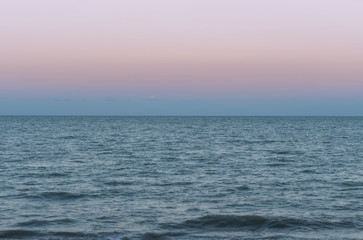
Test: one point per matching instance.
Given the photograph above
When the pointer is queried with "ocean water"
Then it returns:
(181, 178)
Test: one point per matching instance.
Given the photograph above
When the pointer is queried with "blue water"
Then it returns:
(181, 178)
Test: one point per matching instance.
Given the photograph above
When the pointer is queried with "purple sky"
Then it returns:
(190, 57)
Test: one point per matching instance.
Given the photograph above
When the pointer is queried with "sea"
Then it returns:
(181, 178)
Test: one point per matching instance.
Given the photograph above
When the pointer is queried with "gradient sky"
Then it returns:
(189, 57)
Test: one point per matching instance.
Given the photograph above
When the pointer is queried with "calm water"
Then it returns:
(181, 178)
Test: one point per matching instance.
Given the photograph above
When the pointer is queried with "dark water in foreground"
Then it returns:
(181, 178)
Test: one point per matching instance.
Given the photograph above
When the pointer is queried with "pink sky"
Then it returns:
(198, 47)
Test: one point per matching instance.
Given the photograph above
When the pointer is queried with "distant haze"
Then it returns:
(189, 57)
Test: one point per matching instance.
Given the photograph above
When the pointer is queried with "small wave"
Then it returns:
(104, 153)
(255, 222)
(352, 184)
(61, 195)
(160, 236)
(71, 234)
(280, 152)
(116, 183)
(67, 137)
(181, 183)
(39, 223)
(57, 174)
(248, 142)
(242, 188)
(225, 221)
(262, 141)
(286, 152)
(16, 234)
(351, 189)
(154, 236)
(276, 164)
(26, 234)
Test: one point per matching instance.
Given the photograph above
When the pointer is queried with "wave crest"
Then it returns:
(255, 222)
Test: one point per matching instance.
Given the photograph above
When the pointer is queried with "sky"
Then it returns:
(189, 57)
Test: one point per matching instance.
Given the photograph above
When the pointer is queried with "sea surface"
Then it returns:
(181, 178)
